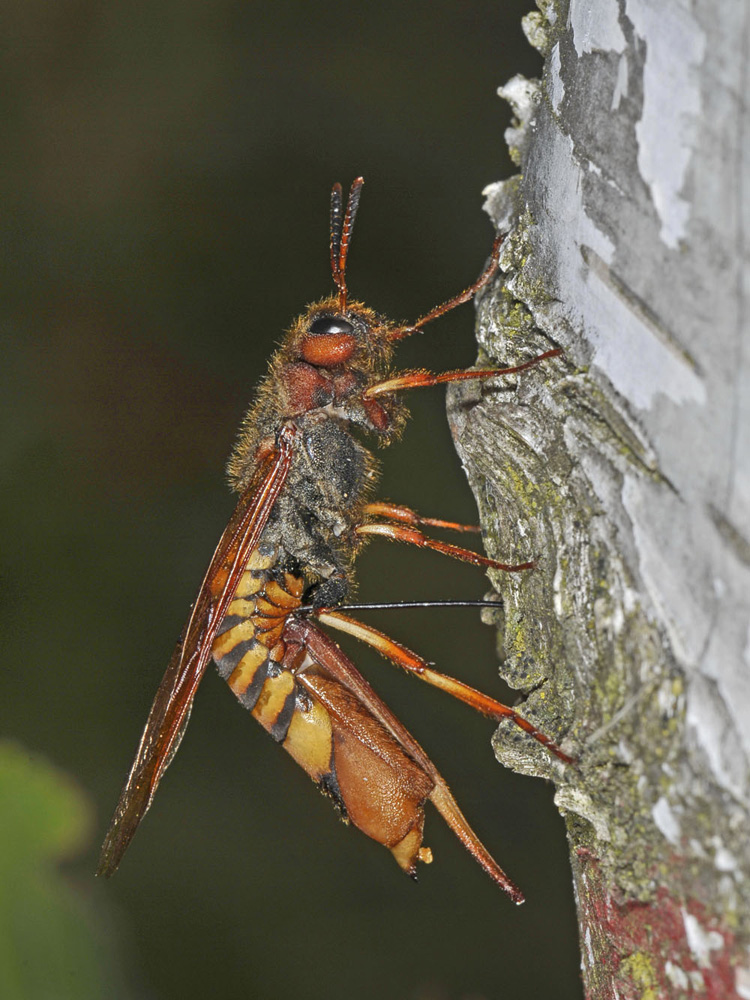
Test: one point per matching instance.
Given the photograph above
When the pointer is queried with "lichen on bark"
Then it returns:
(581, 466)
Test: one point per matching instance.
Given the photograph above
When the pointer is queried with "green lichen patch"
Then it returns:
(638, 970)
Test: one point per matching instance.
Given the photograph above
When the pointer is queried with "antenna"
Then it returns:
(341, 232)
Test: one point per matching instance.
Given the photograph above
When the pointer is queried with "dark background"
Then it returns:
(165, 176)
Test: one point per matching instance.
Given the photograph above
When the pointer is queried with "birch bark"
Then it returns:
(624, 467)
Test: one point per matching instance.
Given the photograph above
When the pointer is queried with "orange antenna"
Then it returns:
(337, 221)
(341, 232)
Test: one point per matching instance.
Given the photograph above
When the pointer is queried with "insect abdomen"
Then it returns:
(320, 723)
(249, 654)
(249, 650)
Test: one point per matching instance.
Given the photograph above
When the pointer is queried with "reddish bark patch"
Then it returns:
(670, 947)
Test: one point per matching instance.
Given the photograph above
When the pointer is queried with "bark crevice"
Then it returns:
(623, 468)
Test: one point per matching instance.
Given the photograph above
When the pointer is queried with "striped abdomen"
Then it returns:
(323, 725)
(249, 650)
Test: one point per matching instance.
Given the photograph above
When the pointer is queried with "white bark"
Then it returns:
(625, 466)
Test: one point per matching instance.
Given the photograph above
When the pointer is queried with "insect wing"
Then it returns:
(170, 711)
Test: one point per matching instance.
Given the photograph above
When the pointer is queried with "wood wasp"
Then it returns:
(284, 567)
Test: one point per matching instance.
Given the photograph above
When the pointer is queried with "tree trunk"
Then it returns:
(624, 467)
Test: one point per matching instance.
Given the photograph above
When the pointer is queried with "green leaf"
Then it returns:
(51, 946)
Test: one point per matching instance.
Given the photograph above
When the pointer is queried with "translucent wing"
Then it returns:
(171, 708)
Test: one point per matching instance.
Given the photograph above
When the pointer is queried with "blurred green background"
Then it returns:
(165, 177)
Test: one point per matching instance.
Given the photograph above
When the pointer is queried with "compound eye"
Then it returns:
(330, 341)
(330, 325)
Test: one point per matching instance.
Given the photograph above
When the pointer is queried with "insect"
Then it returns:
(283, 568)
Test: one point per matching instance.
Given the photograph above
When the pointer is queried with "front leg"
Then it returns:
(405, 531)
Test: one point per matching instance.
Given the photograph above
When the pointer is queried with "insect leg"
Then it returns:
(416, 665)
(457, 300)
(339, 667)
(423, 379)
(395, 512)
(404, 533)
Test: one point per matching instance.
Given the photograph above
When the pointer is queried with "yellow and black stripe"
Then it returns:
(249, 649)
(249, 652)
(320, 722)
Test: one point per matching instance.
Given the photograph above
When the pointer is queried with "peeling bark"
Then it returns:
(624, 466)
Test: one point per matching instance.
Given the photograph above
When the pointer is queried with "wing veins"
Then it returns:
(171, 707)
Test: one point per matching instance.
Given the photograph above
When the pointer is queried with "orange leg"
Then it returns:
(420, 379)
(322, 650)
(414, 664)
(457, 300)
(395, 512)
(401, 533)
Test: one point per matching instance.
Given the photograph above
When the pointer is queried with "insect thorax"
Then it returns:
(330, 480)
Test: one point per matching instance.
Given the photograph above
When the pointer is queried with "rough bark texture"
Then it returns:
(625, 468)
